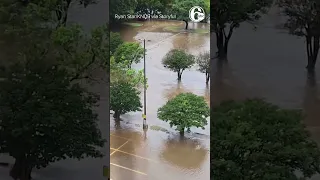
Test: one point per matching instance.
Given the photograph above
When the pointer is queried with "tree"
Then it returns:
(203, 61)
(129, 53)
(124, 97)
(115, 41)
(185, 111)
(257, 140)
(304, 20)
(121, 73)
(181, 9)
(226, 15)
(152, 7)
(177, 61)
(80, 53)
(149, 7)
(55, 11)
(44, 118)
(121, 7)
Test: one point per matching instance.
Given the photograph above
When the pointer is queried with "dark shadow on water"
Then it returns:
(184, 153)
(225, 86)
(311, 103)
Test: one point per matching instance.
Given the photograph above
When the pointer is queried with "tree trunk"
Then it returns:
(182, 133)
(186, 27)
(62, 15)
(179, 75)
(21, 170)
(207, 77)
(312, 52)
(223, 39)
(116, 115)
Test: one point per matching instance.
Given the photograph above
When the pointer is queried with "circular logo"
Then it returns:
(196, 14)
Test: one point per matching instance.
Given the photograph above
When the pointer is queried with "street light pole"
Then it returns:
(145, 126)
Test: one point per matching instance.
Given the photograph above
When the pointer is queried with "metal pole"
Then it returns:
(145, 126)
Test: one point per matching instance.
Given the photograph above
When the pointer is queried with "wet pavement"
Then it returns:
(159, 153)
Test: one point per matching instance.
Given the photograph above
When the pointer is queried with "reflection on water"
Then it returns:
(268, 64)
(175, 90)
(181, 159)
(184, 153)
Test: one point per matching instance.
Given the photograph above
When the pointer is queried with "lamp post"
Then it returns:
(144, 115)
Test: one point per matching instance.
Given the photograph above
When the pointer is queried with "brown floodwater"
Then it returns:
(268, 63)
(159, 153)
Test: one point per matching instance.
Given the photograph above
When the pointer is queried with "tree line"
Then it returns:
(157, 7)
(46, 114)
(126, 84)
(303, 20)
(254, 139)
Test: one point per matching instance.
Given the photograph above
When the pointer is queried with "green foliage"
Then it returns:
(185, 111)
(45, 118)
(226, 15)
(207, 7)
(203, 61)
(256, 140)
(302, 21)
(80, 53)
(115, 41)
(124, 97)
(121, 7)
(234, 12)
(150, 7)
(177, 61)
(39, 102)
(128, 53)
(121, 73)
(181, 8)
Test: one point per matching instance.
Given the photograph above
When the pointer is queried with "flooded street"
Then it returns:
(159, 153)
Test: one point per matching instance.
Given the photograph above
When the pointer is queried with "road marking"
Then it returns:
(120, 137)
(134, 155)
(129, 169)
(119, 148)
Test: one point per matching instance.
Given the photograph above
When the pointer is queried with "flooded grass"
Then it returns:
(158, 128)
(177, 29)
(133, 24)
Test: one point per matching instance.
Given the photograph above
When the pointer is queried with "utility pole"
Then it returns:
(145, 126)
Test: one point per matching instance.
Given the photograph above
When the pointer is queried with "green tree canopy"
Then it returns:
(226, 15)
(45, 118)
(121, 73)
(185, 111)
(203, 61)
(129, 53)
(256, 140)
(181, 9)
(149, 7)
(177, 61)
(124, 98)
(115, 41)
(121, 7)
(304, 20)
(81, 53)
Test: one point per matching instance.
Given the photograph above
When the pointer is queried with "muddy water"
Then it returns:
(268, 63)
(177, 159)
